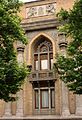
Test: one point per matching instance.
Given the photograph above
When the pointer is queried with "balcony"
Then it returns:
(42, 75)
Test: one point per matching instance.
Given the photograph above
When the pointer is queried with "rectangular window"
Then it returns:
(44, 64)
(44, 99)
(36, 99)
(52, 98)
(51, 63)
(36, 62)
(36, 65)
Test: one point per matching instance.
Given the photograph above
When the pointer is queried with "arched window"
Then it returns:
(43, 80)
(43, 55)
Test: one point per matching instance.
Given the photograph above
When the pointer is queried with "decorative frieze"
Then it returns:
(42, 10)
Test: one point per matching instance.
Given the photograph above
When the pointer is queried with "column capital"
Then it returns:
(62, 39)
(20, 49)
(20, 46)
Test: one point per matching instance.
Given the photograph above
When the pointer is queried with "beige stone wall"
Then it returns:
(52, 34)
(72, 102)
(66, 4)
(27, 98)
(13, 108)
(1, 108)
(58, 103)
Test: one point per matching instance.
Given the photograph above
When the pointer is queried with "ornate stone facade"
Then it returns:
(43, 92)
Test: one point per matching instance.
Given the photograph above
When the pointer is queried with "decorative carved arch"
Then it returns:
(34, 40)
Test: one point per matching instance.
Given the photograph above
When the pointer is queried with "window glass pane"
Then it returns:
(52, 98)
(43, 57)
(36, 65)
(51, 63)
(36, 99)
(36, 57)
(36, 62)
(45, 99)
(44, 64)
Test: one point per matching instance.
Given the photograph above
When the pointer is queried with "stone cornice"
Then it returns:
(45, 24)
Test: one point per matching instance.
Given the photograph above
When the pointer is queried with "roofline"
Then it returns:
(34, 1)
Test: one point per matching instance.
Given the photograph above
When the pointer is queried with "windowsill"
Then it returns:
(43, 70)
(46, 109)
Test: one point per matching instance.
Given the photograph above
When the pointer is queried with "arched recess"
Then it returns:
(49, 83)
(34, 40)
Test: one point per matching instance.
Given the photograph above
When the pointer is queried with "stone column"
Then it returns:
(20, 58)
(39, 97)
(78, 105)
(2, 103)
(7, 112)
(72, 102)
(20, 53)
(65, 103)
(19, 111)
(49, 100)
(57, 97)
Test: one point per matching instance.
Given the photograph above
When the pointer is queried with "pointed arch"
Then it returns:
(33, 41)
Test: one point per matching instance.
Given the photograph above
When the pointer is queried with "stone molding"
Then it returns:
(34, 40)
(38, 25)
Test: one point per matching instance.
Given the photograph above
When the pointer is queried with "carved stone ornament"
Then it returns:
(41, 10)
(32, 12)
(44, 47)
(50, 9)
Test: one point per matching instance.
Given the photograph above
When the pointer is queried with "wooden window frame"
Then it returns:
(49, 97)
(48, 53)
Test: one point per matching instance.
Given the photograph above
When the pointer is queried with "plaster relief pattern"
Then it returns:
(43, 10)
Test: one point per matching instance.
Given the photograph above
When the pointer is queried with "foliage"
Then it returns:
(11, 74)
(70, 68)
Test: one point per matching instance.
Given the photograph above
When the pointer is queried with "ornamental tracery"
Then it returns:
(44, 47)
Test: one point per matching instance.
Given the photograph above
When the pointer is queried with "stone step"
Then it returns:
(43, 118)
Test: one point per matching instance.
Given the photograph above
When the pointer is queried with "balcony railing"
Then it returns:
(42, 75)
